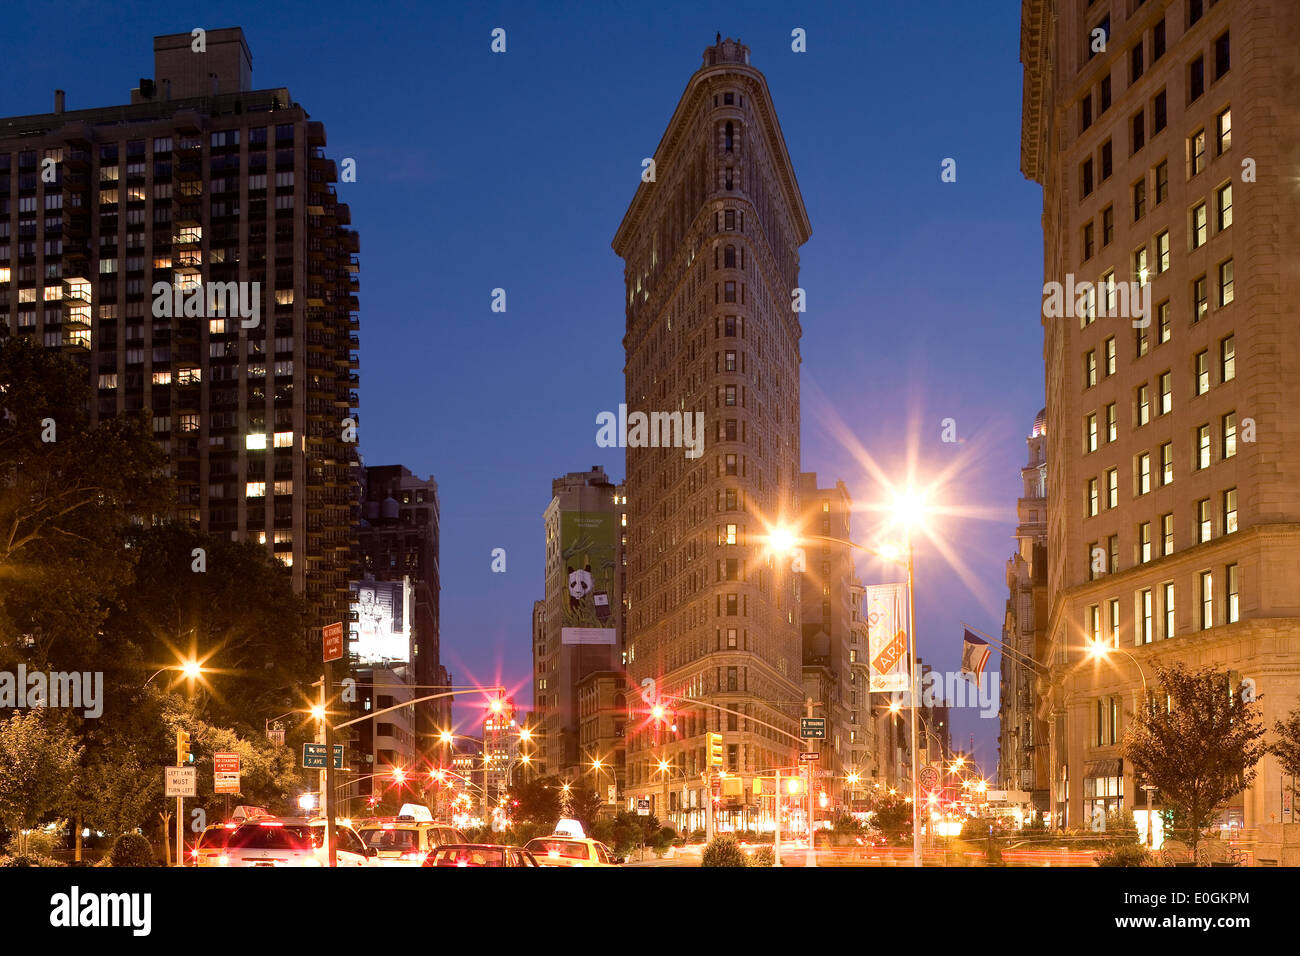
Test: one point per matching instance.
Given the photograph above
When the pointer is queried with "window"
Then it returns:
(1195, 10)
(1090, 368)
(1166, 392)
(1092, 498)
(1227, 359)
(1163, 324)
(1224, 205)
(1203, 528)
(1196, 152)
(1085, 176)
(731, 638)
(1167, 534)
(1112, 550)
(1230, 511)
(1138, 138)
(1207, 600)
(1166, 463)
(1143, 405)
(1094, 624)
(1144, 473)
(1142, 274)
(1112, 426)
(1158, 41)
(1144, 542)
(1103, 95)
(1090, 433)
(1088, 245)
(1200, 225)
(1139, 199)
(1225, 283)
(1200, 299)
(1222, 55)
(1201, 373)
(1107, 163)
(1160, 113)
(731, 534)
(1145, 613)
(1162, 252)
(1085, 112)
(1195, 79)
(1092, 560)
(1107, 219)
(1202, 447)
(1112, 488)
(255, 489)
(1233, 594)
(1162, 181)
(1168, 602)
(1114, 622)
(729, 291)
(1223, 125)
(1135, 63)
(1228, 434)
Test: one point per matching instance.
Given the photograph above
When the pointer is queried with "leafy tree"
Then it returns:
(724, 851)
(585, 806)
(1287, 746)
(38, 759)
(536, 801)
(1202, 749)
(894, 819)
(68, 489)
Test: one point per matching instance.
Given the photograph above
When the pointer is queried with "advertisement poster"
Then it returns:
(381, 629)
(886, 613)
(588, 547)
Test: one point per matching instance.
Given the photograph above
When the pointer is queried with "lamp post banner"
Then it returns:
(886, 614)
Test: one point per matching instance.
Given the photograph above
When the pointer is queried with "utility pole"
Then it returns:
(327, 798)
(776, 842)
(812, 831)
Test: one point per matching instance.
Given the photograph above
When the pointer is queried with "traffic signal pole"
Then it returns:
(327, 798)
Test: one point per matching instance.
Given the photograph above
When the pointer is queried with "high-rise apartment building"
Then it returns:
(578, 627)
(1022, 737)
(120, 228)
(711, 248)
(397, 543)
(834, 639)
(1168, 157)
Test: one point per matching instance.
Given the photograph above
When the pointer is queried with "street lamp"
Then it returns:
(1098, 650)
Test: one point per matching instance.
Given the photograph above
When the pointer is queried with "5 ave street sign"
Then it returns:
(181, 781)
(812, 728)
(313, 756)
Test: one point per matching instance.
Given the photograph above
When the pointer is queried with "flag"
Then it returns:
(974, 655)
(887, 638)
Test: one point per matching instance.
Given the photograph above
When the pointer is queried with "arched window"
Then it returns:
(730, 134)
(729, 258)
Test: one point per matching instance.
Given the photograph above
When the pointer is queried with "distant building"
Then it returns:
(578, 626)
(1022, 740)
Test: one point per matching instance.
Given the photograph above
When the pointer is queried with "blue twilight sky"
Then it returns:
(478, 170)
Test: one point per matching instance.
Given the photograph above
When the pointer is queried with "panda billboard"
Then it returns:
(588, 549)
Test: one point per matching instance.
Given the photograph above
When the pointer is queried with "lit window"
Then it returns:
(283, 439)
(255, 489)
(255, 441)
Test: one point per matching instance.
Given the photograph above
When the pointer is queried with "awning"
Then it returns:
(1105, 768)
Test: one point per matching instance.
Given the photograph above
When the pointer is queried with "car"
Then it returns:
(211, 844)
(480, 854)
(406, 841)
(294, 841)
(562, 850)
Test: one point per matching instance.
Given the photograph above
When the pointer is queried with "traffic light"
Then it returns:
(183, 753)
(715, 750)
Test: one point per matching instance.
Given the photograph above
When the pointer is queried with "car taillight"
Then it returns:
(223, 860)
(415, 855)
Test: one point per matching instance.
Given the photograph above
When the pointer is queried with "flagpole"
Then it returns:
(1002, 645)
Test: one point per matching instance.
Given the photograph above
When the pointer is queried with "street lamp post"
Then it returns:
(1099, 649)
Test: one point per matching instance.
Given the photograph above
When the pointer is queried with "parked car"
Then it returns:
(480, 854)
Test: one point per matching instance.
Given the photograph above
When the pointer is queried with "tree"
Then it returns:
(536, 801)
(38, 760)
(68, 489)
(585, 806)
(1201, 749)
(894, 819)
(1287, 746)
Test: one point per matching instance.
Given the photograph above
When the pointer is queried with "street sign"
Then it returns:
(332, 641)
(225, 763)
(643, 808)
(181, 781)
(809, 755)
(812, 728)
(225, 782)
(313, 756)
(928, 778)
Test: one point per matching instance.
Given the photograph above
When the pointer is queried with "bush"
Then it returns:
(30, 860)
(1124, 855)
(724, 851)
(763, 856)
(131, 849)
(38, 843)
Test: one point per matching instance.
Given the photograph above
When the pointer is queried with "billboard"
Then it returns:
(589, 551)
(382, 630)
(886, 614)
